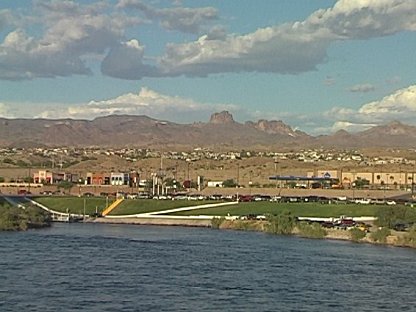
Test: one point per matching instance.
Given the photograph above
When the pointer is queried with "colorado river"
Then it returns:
(104, 267)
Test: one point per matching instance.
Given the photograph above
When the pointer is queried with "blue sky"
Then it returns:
(319, 66)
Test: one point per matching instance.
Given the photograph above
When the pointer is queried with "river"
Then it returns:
(103, 267)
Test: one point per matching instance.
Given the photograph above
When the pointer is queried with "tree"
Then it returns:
(229, 183)
(361, 183)
(66, 185)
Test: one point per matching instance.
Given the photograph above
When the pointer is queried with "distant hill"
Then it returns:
(394, 134)
(220, 132)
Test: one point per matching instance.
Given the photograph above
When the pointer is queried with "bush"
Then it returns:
(409, 239)
(380, 235)
(281, 224)
(388, 216)
(357, 234)
(15, 219)
(216, 222)
(314, 230)
(229, 183)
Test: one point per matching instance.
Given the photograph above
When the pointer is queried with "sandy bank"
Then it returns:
(154, 221)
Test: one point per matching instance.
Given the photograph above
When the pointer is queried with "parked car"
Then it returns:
(87, 194)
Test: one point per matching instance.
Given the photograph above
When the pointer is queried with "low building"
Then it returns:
(119, 178)
(215, 184)
(49, 177)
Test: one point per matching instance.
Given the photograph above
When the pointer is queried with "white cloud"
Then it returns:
(291, 47)
(126, 61)
(58, 38)
(188, 20)
(146, 102)
(362, 88)
(350, 126)
(401, 105)
(72, 33)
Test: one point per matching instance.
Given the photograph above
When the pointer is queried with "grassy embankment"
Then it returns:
(135, 206)
(296, 209)
(127, 207)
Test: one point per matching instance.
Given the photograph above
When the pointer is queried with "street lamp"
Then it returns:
(275, 171)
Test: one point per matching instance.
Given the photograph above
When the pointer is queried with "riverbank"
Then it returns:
(395, 238)
(155, 221)
(18, 219)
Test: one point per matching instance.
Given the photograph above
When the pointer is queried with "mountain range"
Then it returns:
(221, 132)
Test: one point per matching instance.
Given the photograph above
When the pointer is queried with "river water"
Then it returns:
(101, 267)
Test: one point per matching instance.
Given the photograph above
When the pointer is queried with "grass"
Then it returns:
(128, 206)
(297, 209)
(73, 204)
(134, 206)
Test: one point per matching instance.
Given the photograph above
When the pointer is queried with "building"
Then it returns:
(49, 177)
(119, 178)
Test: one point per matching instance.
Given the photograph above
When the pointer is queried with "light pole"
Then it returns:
(275, 172)
(238, 175)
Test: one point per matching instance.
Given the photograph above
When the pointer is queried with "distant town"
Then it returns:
(162, 172)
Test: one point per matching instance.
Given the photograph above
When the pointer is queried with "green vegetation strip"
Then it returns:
(74, 204)
(127, 207)
(135, 206)
(296, 209)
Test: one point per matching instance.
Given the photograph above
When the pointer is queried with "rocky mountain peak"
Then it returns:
(223, 117)
(273, 127)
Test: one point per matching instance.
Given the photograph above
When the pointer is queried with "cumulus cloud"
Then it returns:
(146, 102)
(292, 47)
(68, 33)
(188, 20)
(401, 105)
(126, 61)
(350, 126)
(72, 33)
(362, 88)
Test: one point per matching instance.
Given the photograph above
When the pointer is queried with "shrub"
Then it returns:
(229, 183)
(409, 239)
(314, 230)
(216, 222)
(357, 234)
(388, 216)
(14, 219)
(380, 235)
(281, 224)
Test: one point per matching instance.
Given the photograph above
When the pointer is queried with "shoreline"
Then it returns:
(392, 240)
(154, 221)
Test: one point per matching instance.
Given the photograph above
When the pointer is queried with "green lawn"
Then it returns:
(297, 209)
(134, 206)
(73, 204)
(128, 206)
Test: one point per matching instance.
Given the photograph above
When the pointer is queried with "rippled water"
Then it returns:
(97, 267)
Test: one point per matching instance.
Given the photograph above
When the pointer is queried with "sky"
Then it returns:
(319, 66)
